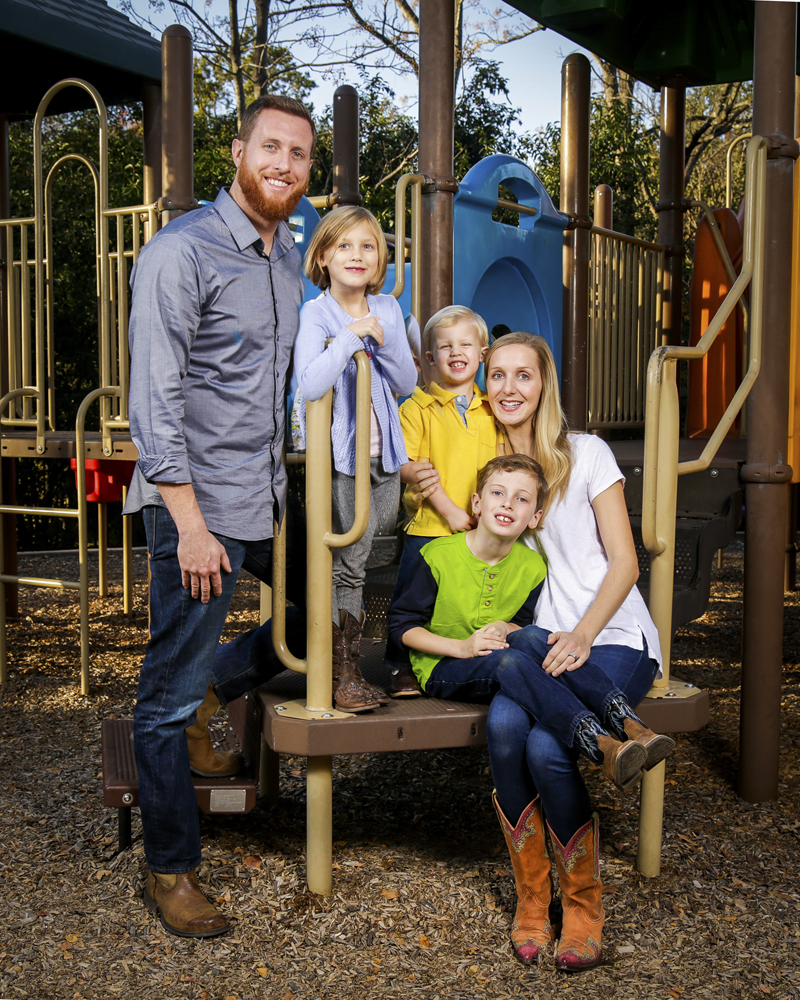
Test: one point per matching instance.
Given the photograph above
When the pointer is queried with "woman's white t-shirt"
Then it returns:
(576, 560)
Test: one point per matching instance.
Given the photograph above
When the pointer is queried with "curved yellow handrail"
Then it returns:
(661, 465)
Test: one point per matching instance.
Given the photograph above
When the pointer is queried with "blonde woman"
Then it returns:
(589, 611)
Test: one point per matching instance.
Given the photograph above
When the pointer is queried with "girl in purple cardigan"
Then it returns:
(347, 258)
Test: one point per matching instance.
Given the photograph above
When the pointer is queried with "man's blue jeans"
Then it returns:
(182, 657)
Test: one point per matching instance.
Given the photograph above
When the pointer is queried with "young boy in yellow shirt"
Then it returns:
(449, 424)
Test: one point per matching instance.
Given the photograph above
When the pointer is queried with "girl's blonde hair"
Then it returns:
(336, 224)
(551, 447)
(449, 316)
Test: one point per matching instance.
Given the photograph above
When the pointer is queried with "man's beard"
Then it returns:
(269, 209)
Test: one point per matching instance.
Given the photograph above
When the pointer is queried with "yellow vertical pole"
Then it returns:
(102, 550)
(662, 569)
(319, 814)
(319, 683)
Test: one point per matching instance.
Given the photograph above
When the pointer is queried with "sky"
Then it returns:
(532, 67)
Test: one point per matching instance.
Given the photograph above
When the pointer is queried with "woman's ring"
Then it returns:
(573, 655)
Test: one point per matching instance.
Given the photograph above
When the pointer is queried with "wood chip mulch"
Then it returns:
(423, 894)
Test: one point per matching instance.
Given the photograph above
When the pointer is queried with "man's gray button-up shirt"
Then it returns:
(213, 320)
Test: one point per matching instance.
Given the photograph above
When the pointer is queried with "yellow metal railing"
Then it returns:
(319, 603)
(626, 283)
(729, 167)
(81, 514)
(662, 466)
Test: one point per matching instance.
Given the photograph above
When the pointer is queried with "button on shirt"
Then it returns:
(213, 320)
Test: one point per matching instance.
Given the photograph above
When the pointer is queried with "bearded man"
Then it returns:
(214, 313)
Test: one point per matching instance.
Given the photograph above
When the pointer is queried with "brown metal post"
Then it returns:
(796, 132)
(604, 206)
(790, 569)
(345, 146)
(765, 474)
(8, 466)
(436, 104)
(177, 122)
(672, 168)
(151, 126)
(576, 80)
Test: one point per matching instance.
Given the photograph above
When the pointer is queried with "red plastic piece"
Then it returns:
(104, 478)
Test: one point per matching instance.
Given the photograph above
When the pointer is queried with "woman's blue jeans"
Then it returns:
(530, 756)
(182, 657)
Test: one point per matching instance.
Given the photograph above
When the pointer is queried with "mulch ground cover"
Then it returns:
(423, 893)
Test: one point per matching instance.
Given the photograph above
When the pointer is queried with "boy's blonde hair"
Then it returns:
(551, 444)
(449, 316)
(516, 463)
(336, 224)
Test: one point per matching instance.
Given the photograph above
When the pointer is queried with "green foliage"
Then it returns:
(213, 167)
(624, 155)
(214, 90)
(485, 120)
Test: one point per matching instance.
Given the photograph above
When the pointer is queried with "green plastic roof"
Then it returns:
(672, 42)
(44, 41)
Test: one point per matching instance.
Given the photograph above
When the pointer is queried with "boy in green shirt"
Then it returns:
(468, 596)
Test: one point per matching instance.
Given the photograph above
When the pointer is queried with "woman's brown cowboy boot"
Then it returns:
(349, 692)
(203, 758)
(581, 898)
(531, 932)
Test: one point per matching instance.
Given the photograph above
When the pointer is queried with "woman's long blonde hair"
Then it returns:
(551, 447)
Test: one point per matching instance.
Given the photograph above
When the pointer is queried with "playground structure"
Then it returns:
(600, 315)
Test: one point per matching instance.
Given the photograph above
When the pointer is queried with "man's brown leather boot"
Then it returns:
(204, 760)
(182, 907)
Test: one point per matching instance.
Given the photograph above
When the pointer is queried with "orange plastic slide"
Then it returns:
(714, 379)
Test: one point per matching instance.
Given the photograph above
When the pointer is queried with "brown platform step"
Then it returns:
(214, 795)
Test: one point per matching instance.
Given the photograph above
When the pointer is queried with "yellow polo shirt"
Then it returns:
(434, 429)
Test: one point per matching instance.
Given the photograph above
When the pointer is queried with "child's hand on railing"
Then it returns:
(369, 326)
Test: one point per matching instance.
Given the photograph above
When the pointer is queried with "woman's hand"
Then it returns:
(369, 326)
(570, 651)
(484, 641)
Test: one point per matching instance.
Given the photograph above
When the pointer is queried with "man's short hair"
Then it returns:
(275, 102)
(516, 463)
(449, 316)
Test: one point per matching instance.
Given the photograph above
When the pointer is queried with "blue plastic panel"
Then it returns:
(511, 275)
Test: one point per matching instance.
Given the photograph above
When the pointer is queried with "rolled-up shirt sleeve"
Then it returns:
(166, 307)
